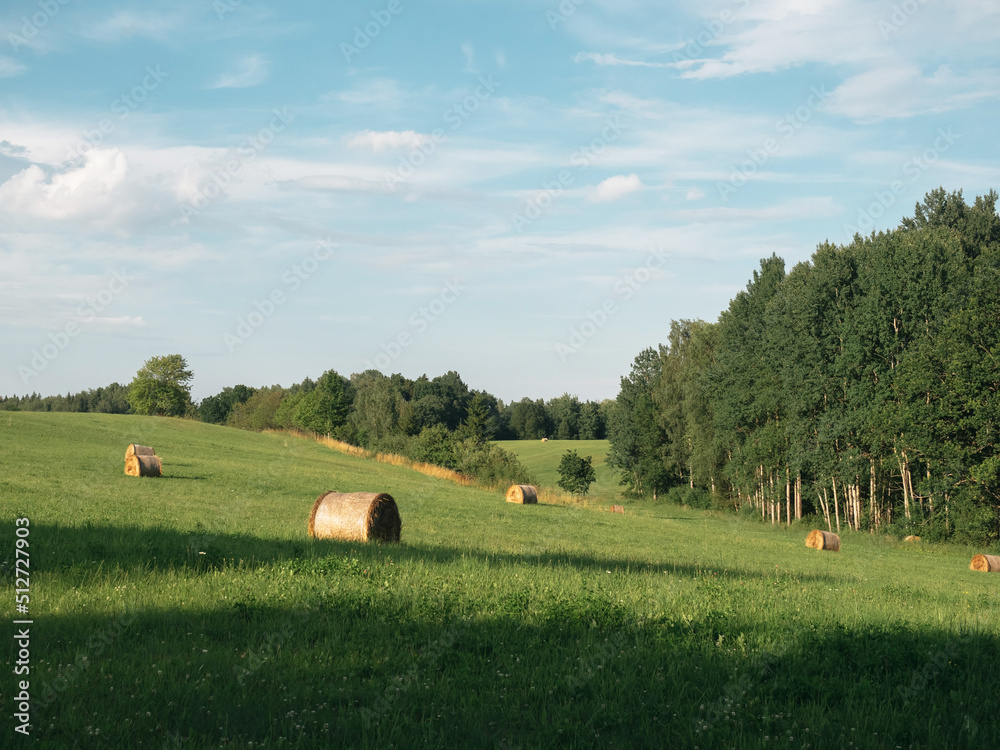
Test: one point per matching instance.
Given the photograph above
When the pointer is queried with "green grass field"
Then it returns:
(193, 611)
(542, 460)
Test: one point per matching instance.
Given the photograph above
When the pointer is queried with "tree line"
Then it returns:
(436, 420)
(863, 385)
(372, 406)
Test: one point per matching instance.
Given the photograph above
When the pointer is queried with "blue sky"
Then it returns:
(526, 192)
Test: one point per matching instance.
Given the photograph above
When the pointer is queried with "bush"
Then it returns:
(697, 498)
(490, 465)
(258, 412)
(434, 445)
(576, 474)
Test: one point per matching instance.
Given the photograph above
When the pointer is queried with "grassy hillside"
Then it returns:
(193, 611)
(542, 460)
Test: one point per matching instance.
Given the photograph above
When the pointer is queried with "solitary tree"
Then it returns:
(576, 474)
(162, 387)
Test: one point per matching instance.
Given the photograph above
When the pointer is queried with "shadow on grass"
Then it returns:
(355, 666)
(66, 549)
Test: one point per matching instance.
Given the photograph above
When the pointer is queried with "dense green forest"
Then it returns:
(434, 420)
(376, 406)
(861, 385)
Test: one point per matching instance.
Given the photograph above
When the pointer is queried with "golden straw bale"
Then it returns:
(618, 509)
(357, 516)
(525, 494)
(985, 563)
(143, 466)
(823, 540)
(139, 450)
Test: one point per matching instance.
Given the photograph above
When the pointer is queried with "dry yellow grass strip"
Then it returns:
(393, 459)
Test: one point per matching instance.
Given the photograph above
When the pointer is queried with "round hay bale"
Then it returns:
(143, 466)
(985, 563)
(525, 494)
(823, 540)
(139, 450)
(357, 516)
(911, 538)
(545, 440)
(618, 509)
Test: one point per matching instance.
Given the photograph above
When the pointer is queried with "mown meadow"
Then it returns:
(192, 610)
(542, 461)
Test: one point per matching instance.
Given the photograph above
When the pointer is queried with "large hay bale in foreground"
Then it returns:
(143, 466)
(985, 563)
(139, 450)
(357, 516)
(525, 494)
(823, 540)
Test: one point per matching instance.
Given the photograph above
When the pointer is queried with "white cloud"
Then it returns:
(123, 321)
(903, 91)
(381, 141)
(794, 208)
(73, 193)
(382, 91)
(12, 149)
(788, 33)
(694, 194)
(616, 187)
(343, 183)
(470, 57)
(250, 71)
(612, 59)
(124, 24)
(10, 67)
